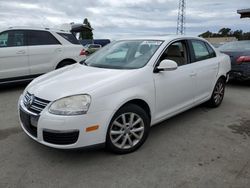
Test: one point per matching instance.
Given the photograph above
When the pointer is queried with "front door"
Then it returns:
(174, 89)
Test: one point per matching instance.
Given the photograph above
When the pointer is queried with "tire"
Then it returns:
(122, 136)
(64, 64)
(218, 94)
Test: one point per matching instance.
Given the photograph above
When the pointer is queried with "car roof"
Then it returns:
(35, 28)
(163, 37)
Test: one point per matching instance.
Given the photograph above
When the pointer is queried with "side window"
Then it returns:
(177, 52)
(12, 38)
(41, 38)
(211, 51)
(69, 37)
(200, 50)
(4, 39)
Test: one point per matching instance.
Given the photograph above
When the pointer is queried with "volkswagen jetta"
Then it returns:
(115, 95)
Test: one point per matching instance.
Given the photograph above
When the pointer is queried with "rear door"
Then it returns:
(206, 68)
(13, 55)
(44, 50)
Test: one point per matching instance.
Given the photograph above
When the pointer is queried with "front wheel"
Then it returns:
(128, 129)
(218, 93)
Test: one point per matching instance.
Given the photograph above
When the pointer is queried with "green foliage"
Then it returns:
(227, 32)
(87, 34)
(224, 32)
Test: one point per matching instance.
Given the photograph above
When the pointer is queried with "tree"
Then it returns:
(225, 32)
(238, 34)
(87, 34)
(207, 34)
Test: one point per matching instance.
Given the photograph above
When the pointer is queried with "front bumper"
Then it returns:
(64, 132)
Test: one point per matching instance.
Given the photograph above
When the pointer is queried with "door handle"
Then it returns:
(58, 49)
(192, 74)
(20, 52)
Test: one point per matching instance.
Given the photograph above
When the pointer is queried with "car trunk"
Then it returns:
(235, 55)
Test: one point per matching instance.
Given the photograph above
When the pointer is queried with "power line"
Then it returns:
(181, 18)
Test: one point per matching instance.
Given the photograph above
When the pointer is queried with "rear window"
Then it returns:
(41, 38)
(69, 37)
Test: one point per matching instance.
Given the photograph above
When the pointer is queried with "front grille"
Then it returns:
(34, 104)
(60, 138)
(26, 121)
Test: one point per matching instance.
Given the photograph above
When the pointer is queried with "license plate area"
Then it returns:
(29, 122)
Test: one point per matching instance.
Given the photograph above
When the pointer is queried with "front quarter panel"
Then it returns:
(111, 97)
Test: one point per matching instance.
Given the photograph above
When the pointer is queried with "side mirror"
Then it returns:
(166, 65)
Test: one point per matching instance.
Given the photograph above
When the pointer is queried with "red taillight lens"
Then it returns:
(82, 52)
(243, 59)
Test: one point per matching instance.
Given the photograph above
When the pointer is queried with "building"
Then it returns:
(244, 13)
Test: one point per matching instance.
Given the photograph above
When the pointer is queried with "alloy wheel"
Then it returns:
(219, 92)
(127, 130)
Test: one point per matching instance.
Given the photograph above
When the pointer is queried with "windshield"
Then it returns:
(236, 46)
(132, 54)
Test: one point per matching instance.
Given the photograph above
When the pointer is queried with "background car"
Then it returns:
(91, 48)
(116, 94)
(239, 52)
(26, 53)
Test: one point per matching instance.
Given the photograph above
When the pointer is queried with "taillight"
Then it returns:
(82, 52)
(243, 59)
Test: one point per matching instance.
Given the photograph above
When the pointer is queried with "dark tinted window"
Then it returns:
(12, 38)
(69, 37)
(41, 38)
(200, 50)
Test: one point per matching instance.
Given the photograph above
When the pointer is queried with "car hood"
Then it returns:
(72, 80)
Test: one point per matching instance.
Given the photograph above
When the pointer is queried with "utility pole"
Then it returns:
(181, 18)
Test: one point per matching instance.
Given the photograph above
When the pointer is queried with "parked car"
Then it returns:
(26, 53)
(216, 45)
(91, 48)
(239, 53)
(116, 94)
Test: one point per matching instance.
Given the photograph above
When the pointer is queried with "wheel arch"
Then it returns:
(139, 102)
(65, 60)
(222, 77)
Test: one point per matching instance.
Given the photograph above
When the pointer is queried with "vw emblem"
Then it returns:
(30, 101)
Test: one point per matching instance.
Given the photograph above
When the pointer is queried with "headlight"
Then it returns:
(72, 105)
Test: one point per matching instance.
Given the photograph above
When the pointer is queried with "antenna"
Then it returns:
(181, 18)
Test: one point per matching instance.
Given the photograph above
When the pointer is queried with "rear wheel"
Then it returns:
(218, 93)
(128, 129)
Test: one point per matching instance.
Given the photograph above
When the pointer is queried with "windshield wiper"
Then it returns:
(83, 63)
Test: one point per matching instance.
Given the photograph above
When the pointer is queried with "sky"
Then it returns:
(123, 18)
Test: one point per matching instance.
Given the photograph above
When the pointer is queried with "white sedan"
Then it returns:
(115, 95)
